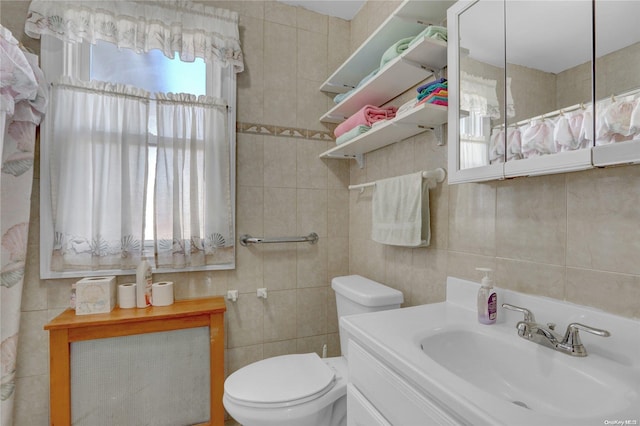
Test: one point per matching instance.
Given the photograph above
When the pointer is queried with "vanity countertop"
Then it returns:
(395, 338)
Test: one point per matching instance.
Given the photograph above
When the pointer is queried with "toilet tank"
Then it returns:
(358, 295)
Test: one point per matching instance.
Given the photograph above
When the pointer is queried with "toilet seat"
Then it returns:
(280, 381)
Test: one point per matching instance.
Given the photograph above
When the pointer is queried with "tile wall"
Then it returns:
(283, 188)
(572, 236)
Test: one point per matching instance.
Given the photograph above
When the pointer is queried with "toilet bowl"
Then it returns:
(289, 390)
(304, 389)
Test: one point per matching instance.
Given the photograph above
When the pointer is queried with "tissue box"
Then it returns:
(95, 295)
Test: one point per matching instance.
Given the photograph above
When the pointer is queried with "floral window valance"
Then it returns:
(193, 30)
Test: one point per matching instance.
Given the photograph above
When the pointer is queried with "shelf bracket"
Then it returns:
(360, 160)
(439, 135)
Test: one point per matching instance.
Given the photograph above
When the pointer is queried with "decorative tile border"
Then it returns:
(290, 132)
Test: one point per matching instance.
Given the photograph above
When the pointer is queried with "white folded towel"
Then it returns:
(400, 211)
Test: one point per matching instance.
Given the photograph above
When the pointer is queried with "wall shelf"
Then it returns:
(407, 20)
(411, 123)
(410, 68)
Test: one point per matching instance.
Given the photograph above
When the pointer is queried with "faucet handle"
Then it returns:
(572, 340)
(528, 315)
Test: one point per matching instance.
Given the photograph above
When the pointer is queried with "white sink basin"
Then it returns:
(488, 375)
(532, 376)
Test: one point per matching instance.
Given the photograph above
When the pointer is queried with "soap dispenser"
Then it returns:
(487, 299)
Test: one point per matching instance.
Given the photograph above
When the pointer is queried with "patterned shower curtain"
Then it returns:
(23, 101)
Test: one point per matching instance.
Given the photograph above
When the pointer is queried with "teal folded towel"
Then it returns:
(432, 31)
(351, 134)
(395, 50)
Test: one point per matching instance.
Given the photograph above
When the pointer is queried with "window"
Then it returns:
(153, 72)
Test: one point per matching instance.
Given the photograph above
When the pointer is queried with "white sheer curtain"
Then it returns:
(193, 30)
(98, 163)
(194, 223)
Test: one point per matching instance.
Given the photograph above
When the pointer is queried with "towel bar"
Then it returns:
(438, 174)
(246, 239)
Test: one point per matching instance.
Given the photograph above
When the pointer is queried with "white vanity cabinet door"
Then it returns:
(393, 397)
(360, 411)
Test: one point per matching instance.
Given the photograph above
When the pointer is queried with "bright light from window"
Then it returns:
(153, 72)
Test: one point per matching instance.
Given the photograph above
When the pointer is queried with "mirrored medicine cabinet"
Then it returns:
(542, 87)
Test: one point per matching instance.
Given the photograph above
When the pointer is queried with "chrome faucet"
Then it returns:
(546, 336)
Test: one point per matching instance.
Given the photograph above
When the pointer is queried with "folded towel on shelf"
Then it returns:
(432, 31)
(342, 96)
(436, 99)
(439, 91)
(429, 84)
(351, 134)
(395, 50)
(366, 116)
(400, 211)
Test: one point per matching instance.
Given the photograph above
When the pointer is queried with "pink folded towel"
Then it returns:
(368, 115)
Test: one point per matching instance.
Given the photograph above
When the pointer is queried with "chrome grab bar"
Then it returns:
(247, 239)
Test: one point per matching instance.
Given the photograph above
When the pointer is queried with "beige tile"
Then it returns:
(280, 162)
(428, 276)
(366, 258)
(34, 291)
(280, 316)
(312, 21)
(280, 105)
(312, 56)
(33, 348)
(250, 210)
(279, 211)
(531, 278)
(282, 347)
(398, 270)
(32, 401)
(311, 310)
(463, 265)
(309, 106)
(311, 344)
(280, 57)
(249, 273)
(312, 211)
(250, 104)
(338, 213)
(439, 216)
(280, 13)
(531, 219)
(332, 312)
(603, 218)
(250, 160)
(472, 218)
(360, 213)
(612, 292)
(337, 257)
(333, 345)
(338, 171)
(254, 9)
(338, 43)
(280, 262)
(312, 264)
(245, 319)
(59, 292)
(312, 171)
(242, 356)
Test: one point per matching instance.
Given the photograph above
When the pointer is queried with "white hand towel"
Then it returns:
(400, 211)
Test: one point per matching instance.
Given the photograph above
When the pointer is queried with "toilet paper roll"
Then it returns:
(162, 293)
(127, 295)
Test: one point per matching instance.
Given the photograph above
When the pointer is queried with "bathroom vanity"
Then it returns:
(68, 329)
(435, 364)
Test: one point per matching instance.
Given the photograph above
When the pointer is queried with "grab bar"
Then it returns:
(247, 239)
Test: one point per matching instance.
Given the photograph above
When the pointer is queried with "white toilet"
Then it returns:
(304, 389)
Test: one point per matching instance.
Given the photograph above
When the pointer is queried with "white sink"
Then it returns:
(532, 376)
(488, 375)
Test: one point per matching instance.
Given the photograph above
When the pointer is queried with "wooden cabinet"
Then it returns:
(68, 327)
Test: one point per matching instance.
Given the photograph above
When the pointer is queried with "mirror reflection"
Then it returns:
(482, 89)
(617, 71)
